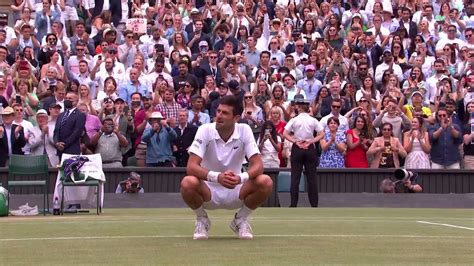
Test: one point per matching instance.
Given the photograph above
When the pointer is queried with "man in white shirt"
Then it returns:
(387, 64)
(336, 106)
(451, 39)
(214, 172)
(303, 151)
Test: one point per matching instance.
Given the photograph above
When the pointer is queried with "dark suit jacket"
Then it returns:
(70, 132)
(46, 102)
(183, 142)
(115, 8)
(413, 29)
(375, 53)
(17, 144)
(204, 70)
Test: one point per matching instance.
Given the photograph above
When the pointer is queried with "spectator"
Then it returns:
(386, 149)
(69, 127)
(333, 145)
(343, 122)
(158, 139)
(269, 144)
(445, 137)
(468, 138)
(196, 116)
(131, 185)
(358, 142)
(393, 115)
(9, 145)
(417, 144)
(108, 143)
(185, 132)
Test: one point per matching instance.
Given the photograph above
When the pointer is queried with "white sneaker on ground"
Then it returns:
(25, 207)
(26, 211)
(242, 228)
(201, 232)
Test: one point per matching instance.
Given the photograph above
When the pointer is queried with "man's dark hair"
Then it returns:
(265, 52)
(234, 102)
(139, 94)
(223, 27)
(107, 119)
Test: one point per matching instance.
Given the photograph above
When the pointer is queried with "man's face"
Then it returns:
(288, 82)
(451, 32)
(225, 118)
(363, 70)
(450, 108)
(26, 32)
(406, 15)
(198, 25)
(60, 94)
(264, 59)
(416, 99)
(439, 67)
(197, 104)
(336, 107)
(80, 50)
(251, 41)
(146, 102)
(168, 96)
(183, 117)
(108, 126)
(109, 64)
(468, 36)
(387, 58)
(223, 90)
(310, 74)
(3, 54)
(134, 74)
(80, 29)
(73, 98)
(213, 59)
(159, 67)
(369, 41)
(183, 69)
(83, 68)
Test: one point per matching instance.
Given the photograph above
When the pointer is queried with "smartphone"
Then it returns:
(267, 131)
(126, 109)
(18, 99)
(100, 57)
(249, 113)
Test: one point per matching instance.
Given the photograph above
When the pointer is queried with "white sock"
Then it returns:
(200, 212)
(243, 212)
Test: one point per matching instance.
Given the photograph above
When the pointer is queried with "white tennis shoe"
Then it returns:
(242, 228)
(201, 232)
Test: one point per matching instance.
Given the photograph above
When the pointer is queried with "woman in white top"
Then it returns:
(179, 44)
(417, 144)
(269, 144)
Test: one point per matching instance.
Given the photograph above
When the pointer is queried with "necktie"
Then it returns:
(66, 115)
(213, 72)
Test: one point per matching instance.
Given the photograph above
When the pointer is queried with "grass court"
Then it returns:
(282, 236)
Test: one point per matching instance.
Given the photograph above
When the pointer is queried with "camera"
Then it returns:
(402, 174)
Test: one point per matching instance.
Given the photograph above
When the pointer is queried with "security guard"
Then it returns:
(303, 152)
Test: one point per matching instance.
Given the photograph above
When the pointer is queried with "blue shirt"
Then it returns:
(203, 118)
(126, 90)
(445, 149)
(310, 87)
(158, 145)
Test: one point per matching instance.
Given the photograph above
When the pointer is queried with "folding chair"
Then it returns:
(20, 166)
(87, 183)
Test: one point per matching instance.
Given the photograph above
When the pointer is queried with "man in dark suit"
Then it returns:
(56, 98)
(186, 133)
(408, 24)
(373, 51)
(115, 8)
(208, 66)
(12, 137)
(69, 127)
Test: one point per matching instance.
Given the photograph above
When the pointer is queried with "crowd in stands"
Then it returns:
(392, 82)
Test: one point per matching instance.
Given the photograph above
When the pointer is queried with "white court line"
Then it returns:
(447, 225)
(229, 236)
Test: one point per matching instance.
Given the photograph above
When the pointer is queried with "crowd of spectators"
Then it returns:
(392, 82)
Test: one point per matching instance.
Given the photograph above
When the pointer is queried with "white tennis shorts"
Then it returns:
(223, 198)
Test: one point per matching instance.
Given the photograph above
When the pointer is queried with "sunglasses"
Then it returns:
(187, 86)
(446, 49)
(51, 40)
(468, 36)
(80, 49)
(168, 19)
(130, 37)
(213, 57)
(363, 101)
(336, 106)
(248, 97)
(299, 45)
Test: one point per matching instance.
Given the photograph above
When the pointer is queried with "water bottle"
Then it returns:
(56, 206)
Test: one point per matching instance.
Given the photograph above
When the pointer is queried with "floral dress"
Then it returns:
(332, 158)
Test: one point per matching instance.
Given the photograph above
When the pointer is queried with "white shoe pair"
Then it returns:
(240, 226)
(25, 210)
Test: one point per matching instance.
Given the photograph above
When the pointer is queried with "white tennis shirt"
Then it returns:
(221, 156)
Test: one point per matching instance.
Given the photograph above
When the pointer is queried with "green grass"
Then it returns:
(282, 236)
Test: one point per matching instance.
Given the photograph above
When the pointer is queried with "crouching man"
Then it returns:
(215, 180)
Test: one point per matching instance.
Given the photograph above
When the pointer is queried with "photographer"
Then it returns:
(405, 183)
(131, 185)
(108, 143)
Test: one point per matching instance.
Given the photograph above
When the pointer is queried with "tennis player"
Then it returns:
(215, 179)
